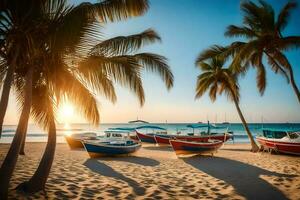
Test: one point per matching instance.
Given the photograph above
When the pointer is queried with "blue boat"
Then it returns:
(112, 148)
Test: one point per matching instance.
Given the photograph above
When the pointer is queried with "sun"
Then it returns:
(67, 111)
(66, 114)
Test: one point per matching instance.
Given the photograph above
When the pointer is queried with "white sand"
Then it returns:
(156, 173)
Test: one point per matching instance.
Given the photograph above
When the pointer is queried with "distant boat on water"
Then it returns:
(138, 121)
(225, 122)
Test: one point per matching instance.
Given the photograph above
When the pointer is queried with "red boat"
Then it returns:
(165, 139)
(149, 138)
(191, 147)
(280, 141)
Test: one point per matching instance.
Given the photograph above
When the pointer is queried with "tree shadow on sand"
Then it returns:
(243, 177)
(135, 160)
(105, 170)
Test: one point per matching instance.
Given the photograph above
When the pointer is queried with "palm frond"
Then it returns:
(97, 79)
(43, 106)
(122, 69)
(261, 72)
(203, 83)
(284, 15)
(78, 94)
(236, 31)
(116, 10)
(276, 67)
(125, 44)
(157, 64)
(211, 52)
(288, 43)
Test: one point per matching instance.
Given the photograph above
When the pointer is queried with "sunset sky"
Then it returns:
(187, 27)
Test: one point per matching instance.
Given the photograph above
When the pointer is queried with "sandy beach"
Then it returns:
(156, 173)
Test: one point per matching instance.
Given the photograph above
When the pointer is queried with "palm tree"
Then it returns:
(264, 38)
(13, 35)
(99, 72)
(218, 80)
(73, 27)
(60, 78)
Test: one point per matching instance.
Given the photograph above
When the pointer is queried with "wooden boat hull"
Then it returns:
(165, 140)
(282, 147)
(74, 143)
(187, 147)
(148, 138)
(101, 149)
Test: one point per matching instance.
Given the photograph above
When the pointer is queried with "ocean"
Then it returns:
(36, 134)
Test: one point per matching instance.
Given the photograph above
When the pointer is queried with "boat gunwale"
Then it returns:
(202, 143)
(137, 144)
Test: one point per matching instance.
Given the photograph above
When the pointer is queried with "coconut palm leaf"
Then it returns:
(284, 15)
(121, 69)
(125, 44)
(116, 10)
(236, 31)
(157, 64)
(78, 94)
(43, 106)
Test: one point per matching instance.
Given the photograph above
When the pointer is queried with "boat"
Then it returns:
(164, 139)
(150, 137)
(202, 137)
(97, 149)
(128, 130)
(138, 121)
(75, 140)
(282, 141)
(195, 148)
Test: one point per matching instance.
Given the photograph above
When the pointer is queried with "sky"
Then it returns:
(187, 27)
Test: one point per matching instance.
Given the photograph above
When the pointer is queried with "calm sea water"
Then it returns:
(35, 134)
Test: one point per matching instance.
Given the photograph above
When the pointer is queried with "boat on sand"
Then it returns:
(75, 140)
(195, 148)
(113, 148)
(282, 141)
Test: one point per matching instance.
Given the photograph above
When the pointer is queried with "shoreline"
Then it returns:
(156, 173)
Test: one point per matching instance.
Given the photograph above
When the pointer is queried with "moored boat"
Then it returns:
(203, 136)
(149, 137)
(113, 148)
(163, 140)
(75, 140)
(287, 142)
(193, 148)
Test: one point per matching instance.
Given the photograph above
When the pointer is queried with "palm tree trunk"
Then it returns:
(22, 149)
(254, 146)
(39, 179)
(11, 158)
(6, 89)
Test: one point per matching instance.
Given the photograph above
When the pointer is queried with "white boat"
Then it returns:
(280, 141)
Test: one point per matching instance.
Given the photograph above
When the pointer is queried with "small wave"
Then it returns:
(32, 135)
(8, 130)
